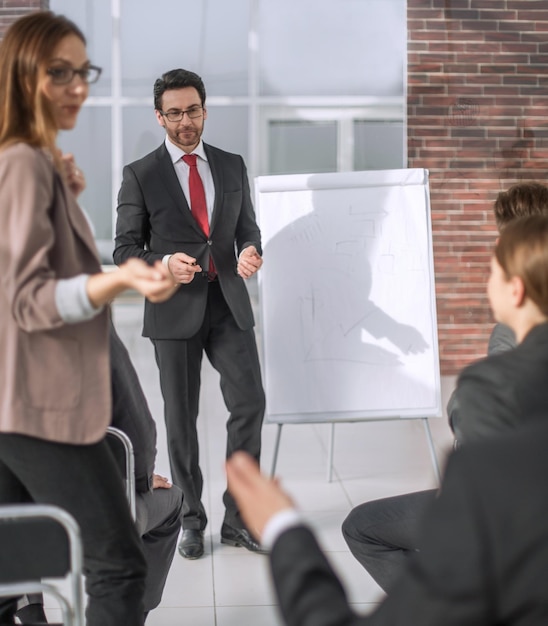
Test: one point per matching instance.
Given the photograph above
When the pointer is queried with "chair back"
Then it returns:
(122, 449)
(42, 541)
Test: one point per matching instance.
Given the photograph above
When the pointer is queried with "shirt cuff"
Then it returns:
(165, 260)
(71, 299)
(278, 524)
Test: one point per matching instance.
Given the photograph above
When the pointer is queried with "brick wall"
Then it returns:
(478, 121)
(10, 10)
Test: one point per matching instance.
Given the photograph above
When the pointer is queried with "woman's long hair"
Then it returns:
(25, 52)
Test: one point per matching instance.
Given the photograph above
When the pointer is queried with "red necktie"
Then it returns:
(198, 205)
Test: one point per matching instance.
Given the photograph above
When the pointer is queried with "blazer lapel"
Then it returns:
(216, 172)
(79, 221)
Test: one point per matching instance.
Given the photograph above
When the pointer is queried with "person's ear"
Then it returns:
(160, 118)
(517, 290)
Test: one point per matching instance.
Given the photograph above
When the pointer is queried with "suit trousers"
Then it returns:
(383, 533)
(85, 481)
(233, 353)
(158, 522)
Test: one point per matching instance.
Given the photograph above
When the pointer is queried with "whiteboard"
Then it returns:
(347, 297)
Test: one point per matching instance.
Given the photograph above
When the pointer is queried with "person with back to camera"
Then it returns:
(54, 375)
(383, 533)
(188, 204)
(483, 542)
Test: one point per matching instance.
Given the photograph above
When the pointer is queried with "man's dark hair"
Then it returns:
(177, 79)
(521, 199)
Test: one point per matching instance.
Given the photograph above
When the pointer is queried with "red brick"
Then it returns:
(500, 63)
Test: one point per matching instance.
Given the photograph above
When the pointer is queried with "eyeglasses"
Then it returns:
(65, 75)
(177, 116)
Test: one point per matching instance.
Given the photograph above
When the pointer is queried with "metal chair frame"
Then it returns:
(72, 609)
(129, 466)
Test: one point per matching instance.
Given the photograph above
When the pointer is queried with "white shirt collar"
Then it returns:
(177, 153)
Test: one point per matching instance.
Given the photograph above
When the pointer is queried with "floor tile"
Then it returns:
(248, 616)
(230, 586)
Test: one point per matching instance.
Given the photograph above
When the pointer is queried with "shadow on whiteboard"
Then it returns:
(347, 296)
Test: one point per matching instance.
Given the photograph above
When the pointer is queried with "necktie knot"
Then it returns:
(190, 159)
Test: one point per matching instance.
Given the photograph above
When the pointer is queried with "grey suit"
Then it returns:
(158, 511)
(216, 317)
(483, 550)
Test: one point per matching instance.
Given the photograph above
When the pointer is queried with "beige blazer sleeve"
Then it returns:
(54, 377)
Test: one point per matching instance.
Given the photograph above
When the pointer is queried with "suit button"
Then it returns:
(209, 242)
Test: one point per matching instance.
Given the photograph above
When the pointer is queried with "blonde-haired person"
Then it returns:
(507, 389)
(484, 540)
(55, 396)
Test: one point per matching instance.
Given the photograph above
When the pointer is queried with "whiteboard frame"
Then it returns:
(349, 180)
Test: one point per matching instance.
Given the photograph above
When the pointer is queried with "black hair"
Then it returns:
(177, 79)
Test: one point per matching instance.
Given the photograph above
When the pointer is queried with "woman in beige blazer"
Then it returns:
(55, 399)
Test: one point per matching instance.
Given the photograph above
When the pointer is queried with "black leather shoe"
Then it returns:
(240, 537)
(191, 545)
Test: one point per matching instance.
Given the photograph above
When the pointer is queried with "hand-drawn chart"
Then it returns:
(347, 297)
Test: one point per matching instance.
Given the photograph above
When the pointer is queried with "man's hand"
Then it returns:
(183, 267)
(154, 282)
(160, 482)
(249, 262)
(258, 497)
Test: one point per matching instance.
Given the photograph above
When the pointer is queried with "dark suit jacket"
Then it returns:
(501, 339)
(505, 390)
(130, 412)
(483, 555)
(154, 219)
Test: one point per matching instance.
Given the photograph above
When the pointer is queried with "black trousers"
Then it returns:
(233, 353)
(158, 522)
(383, 534)
(84, 481)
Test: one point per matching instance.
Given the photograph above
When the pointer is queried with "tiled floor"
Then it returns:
(230, 586)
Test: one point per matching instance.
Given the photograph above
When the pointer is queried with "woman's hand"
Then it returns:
(154, 282)
(74, 177)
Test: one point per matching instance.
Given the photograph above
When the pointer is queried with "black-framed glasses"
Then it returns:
(177, 116)
(63, 75)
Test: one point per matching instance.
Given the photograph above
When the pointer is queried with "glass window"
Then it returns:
(227, 127)
(90, 143)
(209, 38)
(141, 133)
(302, 147)
(94, 20)
(252, 55)
(378, 145)
(322, 47)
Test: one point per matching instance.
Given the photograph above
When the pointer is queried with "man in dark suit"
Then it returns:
(188, 204)
(483, 544)
(158, 504)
